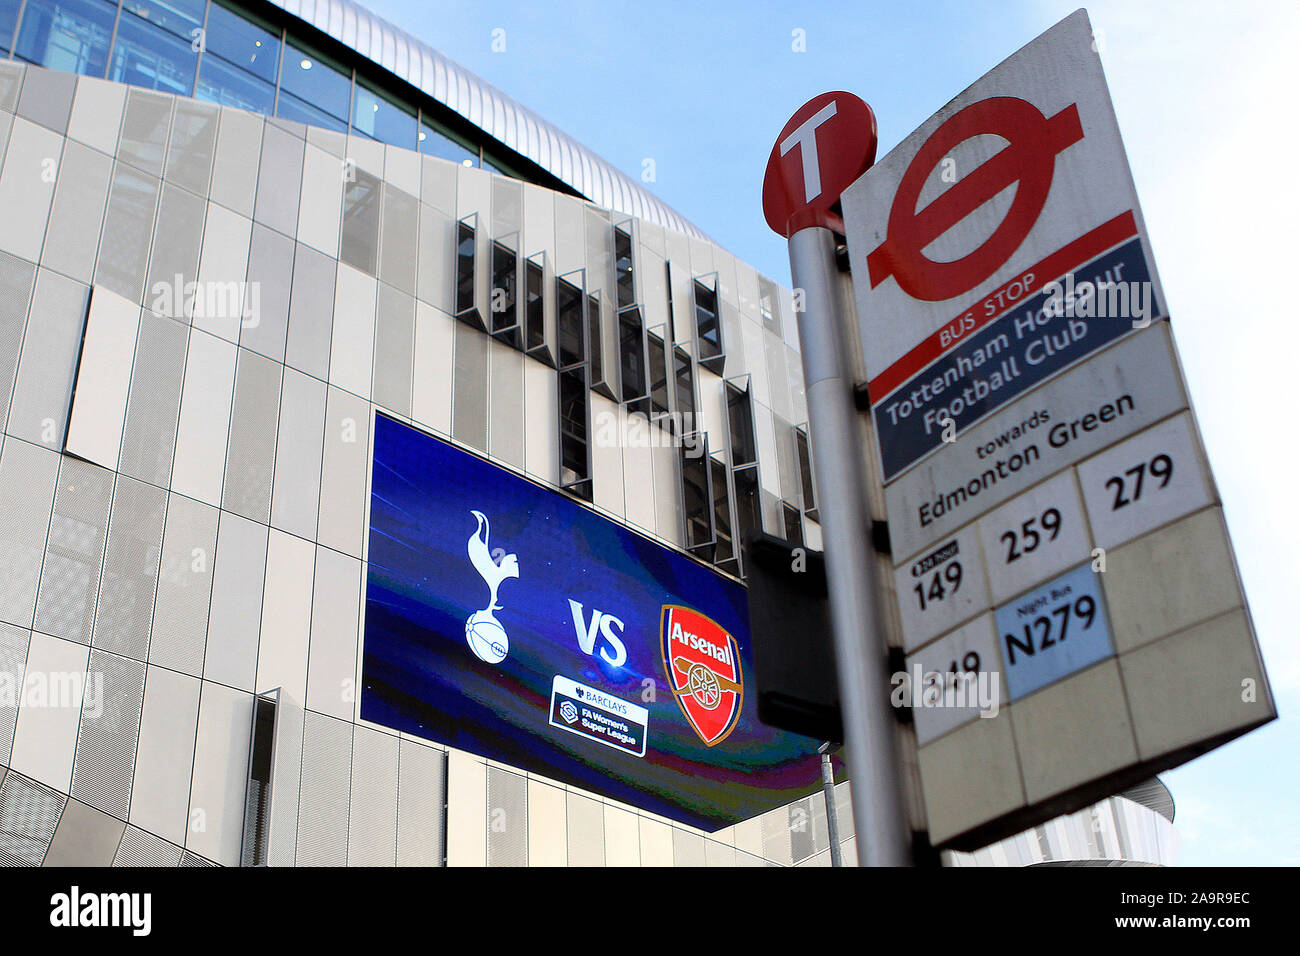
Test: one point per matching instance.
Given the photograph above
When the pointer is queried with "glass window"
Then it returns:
(292, 108)
(568, 311)
(70, 35)
(181, 17)
(8, 20)
(658, 372)
(219, 82)
(749, 519)
(708, 325)
(793, 526)
(359, 243)
(631, 351)
(250, 46)
(595, 351)
(697, 496)
(575, 457)
(380, 118)
(505, 280)
(723, 555)
(805, 473)
(464, 268)
(741, 422)
(436, 143)
(145, 56)
(316, 81)
(684, 378)
(535, 307)
(623, 268)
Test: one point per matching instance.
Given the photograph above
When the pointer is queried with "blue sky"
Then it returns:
(1201, 89)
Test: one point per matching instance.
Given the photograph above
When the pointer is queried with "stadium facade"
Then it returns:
(231, 235)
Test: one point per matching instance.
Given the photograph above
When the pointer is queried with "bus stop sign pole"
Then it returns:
(828, 143)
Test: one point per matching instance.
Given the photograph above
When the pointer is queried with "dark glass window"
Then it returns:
(434, 142)
(535, 307)
(569, 319)
(697, 498)
(575, 459)
(8, 21)
(181, 17)
(315, 80)
(464, 268)
(657, 363)
(240, 40)
(257, 804)
(805, 472)
(69, 35)
(740, 415)
(749, 517)
(623, 269)
(377, 116)
(292, 108)
(684, 380)
(793, 526)
(723, 553)
(219, 82)
(504, 299)
(708, 324)
(144, 55)
(631, 352)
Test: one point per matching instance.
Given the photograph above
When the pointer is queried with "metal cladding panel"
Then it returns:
(110, 726)
(139, 848)
(27, 480)
(372, 820)
(507, 822)
(184, 585)
(487, 107)
(323, 810)
(13, 663)
(154, 402)
(286, 782)
(130, 575)
(421, 798)
(29, 814)
(74, 551)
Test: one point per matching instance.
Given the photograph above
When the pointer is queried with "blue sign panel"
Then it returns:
(1053, 631)
(1096, 305)
(507, 620)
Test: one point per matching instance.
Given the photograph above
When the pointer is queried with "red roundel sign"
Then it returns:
(828, 143)
(1028, 161)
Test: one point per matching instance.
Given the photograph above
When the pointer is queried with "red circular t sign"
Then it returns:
(827, 144)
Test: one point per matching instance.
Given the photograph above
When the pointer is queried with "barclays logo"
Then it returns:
(483, 632)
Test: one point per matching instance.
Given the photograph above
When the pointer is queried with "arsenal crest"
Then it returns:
(703, 666)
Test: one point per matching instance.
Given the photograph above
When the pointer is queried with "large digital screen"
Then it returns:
(506, 620)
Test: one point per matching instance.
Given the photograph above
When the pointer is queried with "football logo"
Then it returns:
(702, 662)
(483, 632)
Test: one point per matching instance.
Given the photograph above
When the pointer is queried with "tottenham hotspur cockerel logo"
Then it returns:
(483, 632)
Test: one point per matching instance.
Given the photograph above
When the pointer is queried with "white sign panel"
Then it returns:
(1029, 418)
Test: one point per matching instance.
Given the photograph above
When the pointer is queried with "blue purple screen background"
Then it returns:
(419, 675)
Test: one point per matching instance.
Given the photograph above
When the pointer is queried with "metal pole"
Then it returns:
(828, 792)
(883, 837)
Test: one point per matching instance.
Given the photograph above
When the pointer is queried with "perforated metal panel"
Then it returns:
(184, 586)
(74, 551)
(469, 404)
(29, 814)
(372, 819)
(421, 796)
(586, 831)
(323, 807)
(13, 659)
(16, 280)
(130, 575)
(286, 780)
(776, 836)
(507, 818)
(27, 478)
(139, 848)
(110, 727)
(250, 456)
(394, 349)
(189, 859)
(154, 402)
(802, 840)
